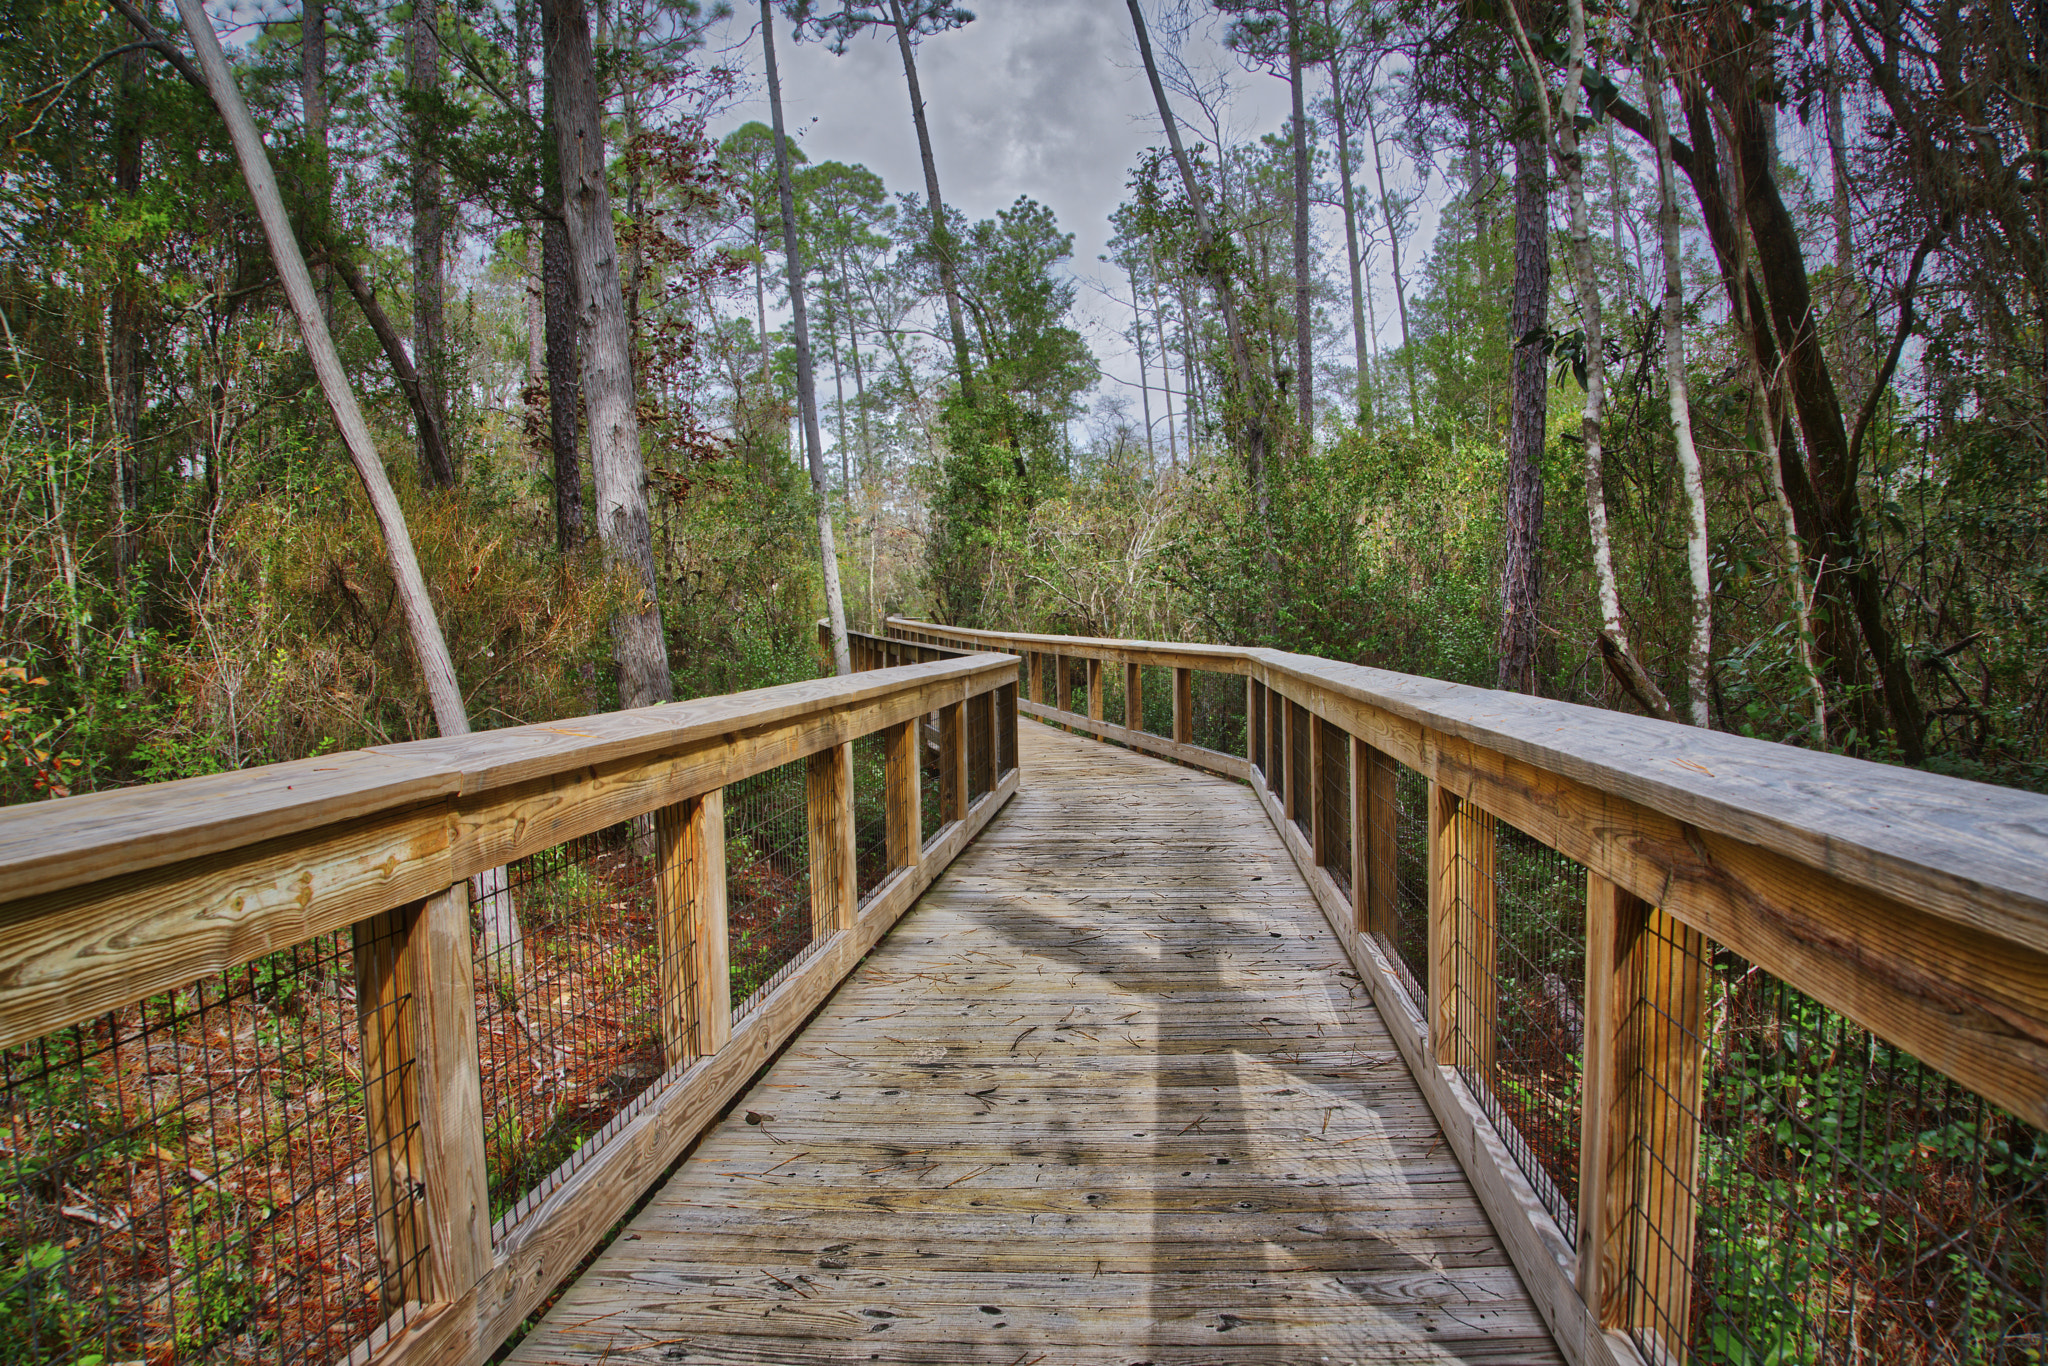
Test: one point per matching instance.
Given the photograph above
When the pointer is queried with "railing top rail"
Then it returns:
(1216, 658)
(1969, 852)
(50, 846)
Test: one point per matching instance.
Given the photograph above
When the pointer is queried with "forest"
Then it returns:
(1689, 358)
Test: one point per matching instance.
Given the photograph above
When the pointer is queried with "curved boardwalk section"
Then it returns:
(1109, 1093)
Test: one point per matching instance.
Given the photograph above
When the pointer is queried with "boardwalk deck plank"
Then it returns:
(1107, 1094)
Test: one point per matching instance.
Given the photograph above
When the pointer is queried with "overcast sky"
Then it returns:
(1044, 98)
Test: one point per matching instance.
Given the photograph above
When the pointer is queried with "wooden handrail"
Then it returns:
(1915, 905)
(109, 899)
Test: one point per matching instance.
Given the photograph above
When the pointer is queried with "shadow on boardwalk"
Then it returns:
(1108, 1094)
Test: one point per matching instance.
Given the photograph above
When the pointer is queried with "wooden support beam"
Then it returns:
(1255, 723)
(1094, 690)
(1063, 682)
(1031, 679)
(828, 797)
(457, 1218)
(1184, 706)
(953, 762)
(1134, 697)
(1639, 1119)
(387, 992)
(902, 795)
(1443, 928)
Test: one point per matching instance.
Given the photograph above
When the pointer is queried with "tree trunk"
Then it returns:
(1144, 371)
(1351, 256)
(1699, 651)
(124, 366)
(429, 228)
(313, 100)
(1561, 130)
(1255, 423)
(806, 386)
(1165, 370)
(1304, 310)
(1815, 402)
(1521, 575)
(942, 236)
(565, 394)
(616, 466)
(1379, 171)
(409, 380)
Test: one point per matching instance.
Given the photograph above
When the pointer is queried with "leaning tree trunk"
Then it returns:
(1521, 573)
(1700, 643)
(942, 236)
(616, 465)
(1254, 418)
(430, 649)
(806, 379)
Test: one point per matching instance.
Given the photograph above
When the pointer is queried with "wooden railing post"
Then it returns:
(953, 762)
(1254, 724)
(458, 1196)
(1460, 907)
(696, 993)
(388, 992)
(1062, 683)
(828, 792)
(416, 1013)
(1375, 840)
(1134, 697)
(1094, 690)
(902, 796)
(1639, 1120)
(1184, 706)
(1031, 667)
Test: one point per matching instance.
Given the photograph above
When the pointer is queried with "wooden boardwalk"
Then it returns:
(1109, 1093)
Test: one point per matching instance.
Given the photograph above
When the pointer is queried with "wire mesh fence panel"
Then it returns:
(1158, 700)
(190, 1178)
(931, 780)
(1533, 1091)
(981, 746)
(1300, 797)
(870, 812)
(767, 881)
(1006, 730)
(1218, 721)
(1077, 686)
(568, 1006)
(1333, 797)
(1843, 1203)
(1411, 879)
